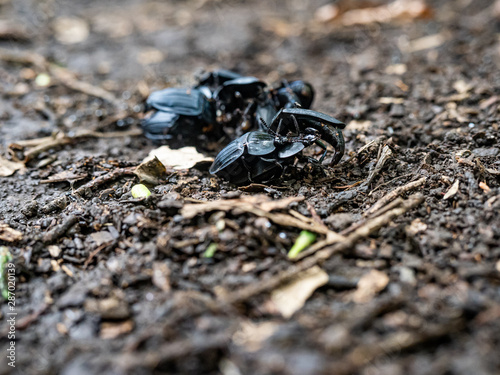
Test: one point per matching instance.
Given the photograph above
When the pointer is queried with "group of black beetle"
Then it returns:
(273, 124)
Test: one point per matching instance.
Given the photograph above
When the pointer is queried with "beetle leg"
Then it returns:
(296, 124)
(322, 145)
(243, 160)
(279, 126)
(339, 147)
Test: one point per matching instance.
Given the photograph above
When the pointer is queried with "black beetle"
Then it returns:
(258, 156)
(261, 156)
(178, 112)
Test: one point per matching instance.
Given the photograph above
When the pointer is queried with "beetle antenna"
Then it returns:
(267, 126)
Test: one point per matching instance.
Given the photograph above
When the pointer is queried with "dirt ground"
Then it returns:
(107, 284)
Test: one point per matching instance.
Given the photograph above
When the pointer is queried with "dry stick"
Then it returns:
(23, 57)
(331, 240)
(64, 76)
(46, 143)
(367, 229)
(60, 229)
(68, 79)
(384, 156)
(117, 173)
(393, 195)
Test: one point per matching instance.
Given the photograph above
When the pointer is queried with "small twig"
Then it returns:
(113, 175)
(366, 230)
(60, 229)
(63, 75)
(46, 143)
(97, 251)
(389, 182)
(394, 194)
(384, 156)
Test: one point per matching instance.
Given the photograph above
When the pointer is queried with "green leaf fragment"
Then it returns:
(5, 257)
(140, 191)
(304, 240)
(210, 251)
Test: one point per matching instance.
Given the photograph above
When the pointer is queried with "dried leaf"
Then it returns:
(452, 191)
(369, 285)
(151, 171)
(8, 168)
(182, 158)
(291, 297)
(8, 234)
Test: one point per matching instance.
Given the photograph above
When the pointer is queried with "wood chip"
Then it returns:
(452, 191)
(369, 285)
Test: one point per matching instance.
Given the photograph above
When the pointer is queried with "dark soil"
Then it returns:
(110, 285)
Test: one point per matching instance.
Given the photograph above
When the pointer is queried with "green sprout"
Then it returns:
(140, 191)
(210, 251)
(304, 240)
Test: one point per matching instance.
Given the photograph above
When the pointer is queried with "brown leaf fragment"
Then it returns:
(291, 297)
(8, 168)
(369, 285)
(151, 171)
(8, 234)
